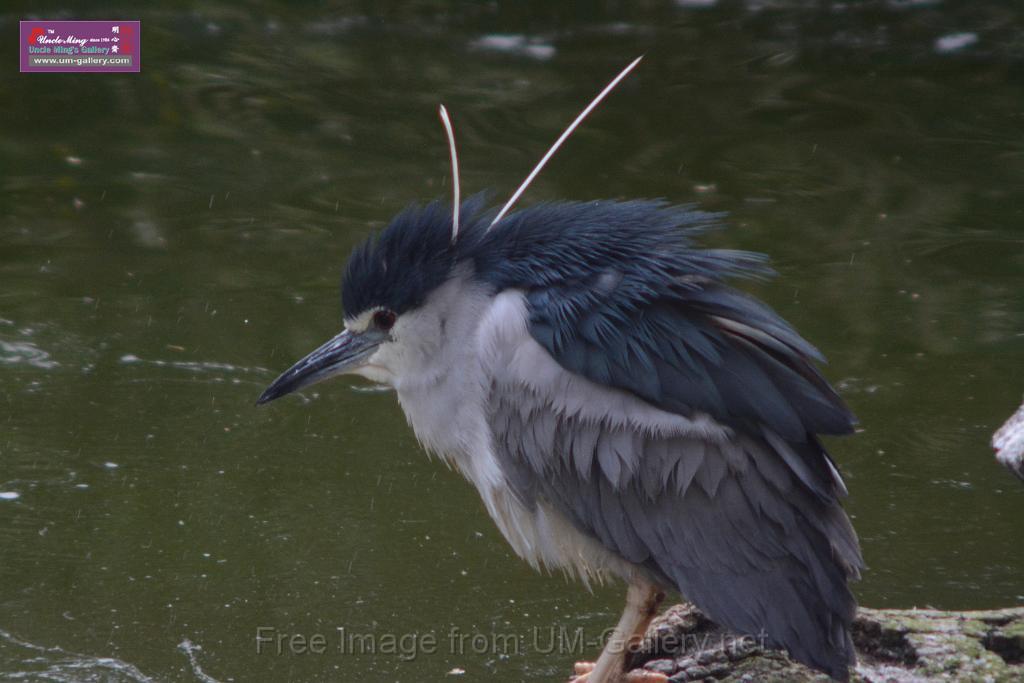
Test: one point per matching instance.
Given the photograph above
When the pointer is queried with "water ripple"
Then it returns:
(192, 366)
(515, 44)
(39, 662)
(190, 649)
(25, 353)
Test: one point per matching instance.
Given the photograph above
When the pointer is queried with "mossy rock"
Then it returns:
(893, 646)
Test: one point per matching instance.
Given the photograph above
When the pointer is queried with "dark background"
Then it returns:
(170, 240)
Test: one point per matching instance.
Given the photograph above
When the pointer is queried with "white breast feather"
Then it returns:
(449, 417)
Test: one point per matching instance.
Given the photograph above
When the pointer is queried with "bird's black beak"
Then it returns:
(344, 353)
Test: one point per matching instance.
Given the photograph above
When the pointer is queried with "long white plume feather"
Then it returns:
(455, 171)
(558, 143)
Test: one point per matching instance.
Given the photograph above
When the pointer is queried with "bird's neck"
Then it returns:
(444, 400)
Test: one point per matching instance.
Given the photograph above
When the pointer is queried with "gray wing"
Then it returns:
(725, 517)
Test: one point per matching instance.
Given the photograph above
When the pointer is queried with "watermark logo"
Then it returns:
(80, 46)
(560, 640)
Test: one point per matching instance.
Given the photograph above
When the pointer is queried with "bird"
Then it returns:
(622, 409)
(1008, 442)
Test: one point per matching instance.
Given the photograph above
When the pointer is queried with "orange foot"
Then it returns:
(583, 670)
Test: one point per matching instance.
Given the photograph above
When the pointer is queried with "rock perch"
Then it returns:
(893, 646)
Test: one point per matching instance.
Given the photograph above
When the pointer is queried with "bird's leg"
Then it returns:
(642, 600)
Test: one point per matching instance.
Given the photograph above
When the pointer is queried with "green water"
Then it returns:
(170, 240)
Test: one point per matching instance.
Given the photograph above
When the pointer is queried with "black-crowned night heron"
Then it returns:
(619, 407)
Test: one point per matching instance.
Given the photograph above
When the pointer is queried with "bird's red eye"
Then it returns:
(384, 320)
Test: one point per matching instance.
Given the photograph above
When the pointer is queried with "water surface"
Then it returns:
(170, 240)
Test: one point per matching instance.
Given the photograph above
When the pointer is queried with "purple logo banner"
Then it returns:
(80, 46)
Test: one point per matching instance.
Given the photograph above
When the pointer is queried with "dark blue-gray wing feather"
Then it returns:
(618, 294)
(729, 523)
(750, 530)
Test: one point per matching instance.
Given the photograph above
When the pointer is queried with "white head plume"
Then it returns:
(558, 143)
(455, 171)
